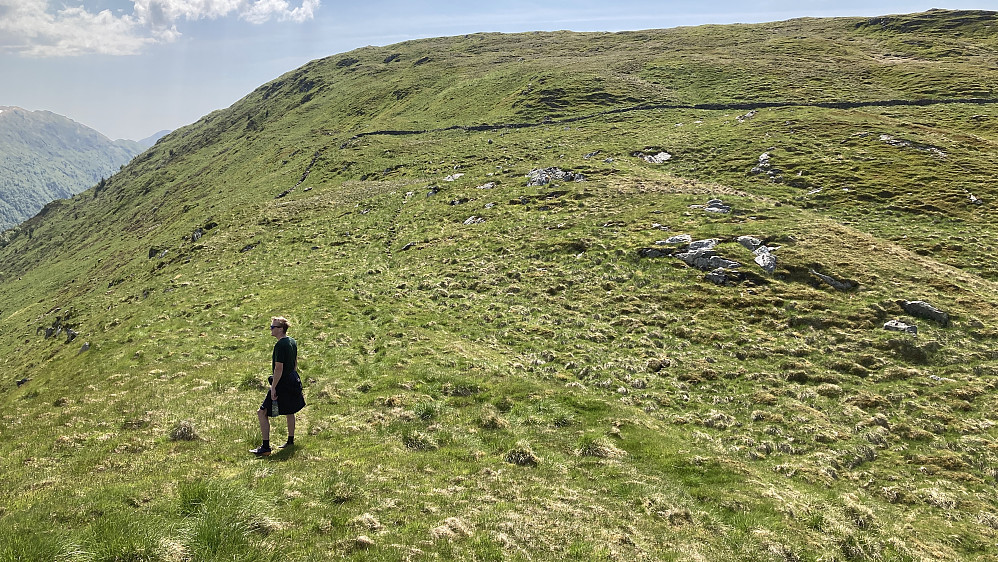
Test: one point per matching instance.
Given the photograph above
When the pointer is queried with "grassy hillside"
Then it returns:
(44, 157)
(505, 371)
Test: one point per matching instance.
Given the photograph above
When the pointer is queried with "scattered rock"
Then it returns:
(591, 155)
(765, 259)
(653, 253)
(717, 206)
(899, 326)
(765, 166)
(833, 282)
(658, 158)
(975, 200)
(20, 382)
(489, 185)
(85, 347)
(707, 244)
(747, 116)
(922, 309)
(707, 260)
(474, 220)
(544, 176)
(908, 144)
(679, 239)
(750, 243)
(453, 177)
(408, 246)
(719, 277)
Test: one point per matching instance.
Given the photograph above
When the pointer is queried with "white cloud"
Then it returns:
(47, 28)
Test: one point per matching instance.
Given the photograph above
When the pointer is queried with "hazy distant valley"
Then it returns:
(44, 157)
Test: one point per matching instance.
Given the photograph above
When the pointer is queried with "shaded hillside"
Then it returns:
(44, 157)
(700, 293)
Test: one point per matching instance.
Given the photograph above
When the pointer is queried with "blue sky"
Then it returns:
(130, 68)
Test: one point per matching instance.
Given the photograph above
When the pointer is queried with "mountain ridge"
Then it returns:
(45, 156)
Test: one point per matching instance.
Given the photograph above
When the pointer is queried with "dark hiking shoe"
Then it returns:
(261, 451)
(286, 445)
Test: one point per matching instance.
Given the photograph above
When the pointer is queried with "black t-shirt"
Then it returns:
(286, 352)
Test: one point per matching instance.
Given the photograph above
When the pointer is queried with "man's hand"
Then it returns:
(273, 393)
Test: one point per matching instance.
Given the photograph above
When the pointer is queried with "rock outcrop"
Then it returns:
(922, 309)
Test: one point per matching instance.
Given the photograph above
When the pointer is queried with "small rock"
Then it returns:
(659, 158)
(751, 243)
(922, 309)
(490, 185)
(899, 326)
(544, 176)
(717, 206)
(453, 177)
(652, 253)
(766, 261)
(718, 277)
(833, 282)
(679, 239)
(707, 260)
(25, 380)
(474, 220)
(707, 244)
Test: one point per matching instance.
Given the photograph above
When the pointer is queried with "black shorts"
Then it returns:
(290, 397)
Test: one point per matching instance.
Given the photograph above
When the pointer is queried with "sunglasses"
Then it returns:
(272, 327)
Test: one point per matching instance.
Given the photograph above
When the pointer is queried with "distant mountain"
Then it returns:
(44, 157)
(151, 140)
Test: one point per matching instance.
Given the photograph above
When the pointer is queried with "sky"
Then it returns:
(131, 68)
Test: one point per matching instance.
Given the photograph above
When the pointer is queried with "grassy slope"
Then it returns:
(672, 418)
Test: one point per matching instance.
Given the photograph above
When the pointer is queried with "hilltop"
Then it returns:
(696, 293)
(45, 156)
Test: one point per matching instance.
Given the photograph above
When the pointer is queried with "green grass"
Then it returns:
(527, 387)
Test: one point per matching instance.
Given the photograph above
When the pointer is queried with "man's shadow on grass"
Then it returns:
(281, 455)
